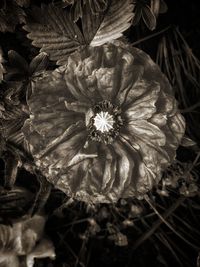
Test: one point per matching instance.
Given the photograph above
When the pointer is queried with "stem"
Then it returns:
(159, 222)
(151, 36)
(168, 225)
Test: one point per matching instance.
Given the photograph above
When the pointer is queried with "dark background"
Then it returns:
(99, 251)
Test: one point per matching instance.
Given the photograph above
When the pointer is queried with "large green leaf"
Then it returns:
(55, 32)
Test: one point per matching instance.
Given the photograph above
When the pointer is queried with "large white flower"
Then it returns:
(105, 125)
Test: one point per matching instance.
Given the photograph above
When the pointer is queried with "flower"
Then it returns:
(105, 125)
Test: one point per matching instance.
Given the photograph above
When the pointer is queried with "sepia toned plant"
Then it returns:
(24, 238)
(148, 11)
(92, 134)
(105, 125)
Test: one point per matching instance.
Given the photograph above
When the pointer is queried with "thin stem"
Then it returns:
(159, 222)
(168, 225)
(151, 36)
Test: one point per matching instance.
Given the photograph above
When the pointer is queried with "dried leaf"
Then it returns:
(119, 239)
(148, 17)
(39, 63)
(187, 142)
(56, 34)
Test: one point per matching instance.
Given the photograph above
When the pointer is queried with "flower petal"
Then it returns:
(42, 250)
(145, 106)
(147, 131)
(48, 91)
(109, 170)
(125, 166)
(77, 106)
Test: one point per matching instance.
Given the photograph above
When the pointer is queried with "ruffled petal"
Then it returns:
(61, 150)
(147, 131)
(47, 91)
(145, 106)
(146, 125)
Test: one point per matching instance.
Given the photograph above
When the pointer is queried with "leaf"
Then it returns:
(119, 239)
(163, 7)
(2, 70)
(23, 3)
(10, 16)
(155, 7)
(55, 33)
(94, 7)
(111, 24)
(76, 10)
(148, 17)
(98, 6)
(17, 61)
(137, 15)
(187, 142)
(44, 249)
(39, 63)
(158, 6)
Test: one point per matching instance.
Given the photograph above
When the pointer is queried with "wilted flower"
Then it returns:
(105, 125)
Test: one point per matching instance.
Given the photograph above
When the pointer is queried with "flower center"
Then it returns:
(103, 121)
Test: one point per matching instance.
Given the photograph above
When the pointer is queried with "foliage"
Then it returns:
(162, 229)
(57, 34)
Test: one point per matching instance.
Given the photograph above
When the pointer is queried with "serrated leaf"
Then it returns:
(55, 33)
(98, 6)
(76, 10)
(112, 23)
(94, 6)
(148, 17)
